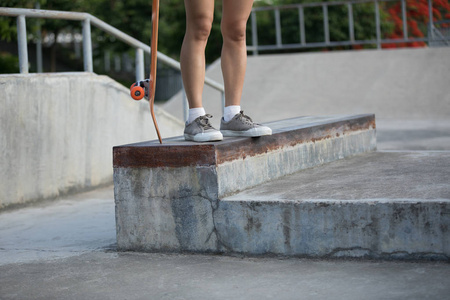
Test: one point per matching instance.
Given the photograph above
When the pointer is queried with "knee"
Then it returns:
(234, 31)
(200, 28)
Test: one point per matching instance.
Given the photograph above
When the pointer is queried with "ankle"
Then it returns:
(230, 111)
(194, 113)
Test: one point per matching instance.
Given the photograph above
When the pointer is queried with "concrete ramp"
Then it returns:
(57, 131)
(401, 84)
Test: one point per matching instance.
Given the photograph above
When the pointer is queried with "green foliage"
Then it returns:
(8, 63)
(171, 28)
(363, 16)
(8, 27)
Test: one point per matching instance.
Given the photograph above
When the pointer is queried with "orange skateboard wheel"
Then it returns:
(137, 93)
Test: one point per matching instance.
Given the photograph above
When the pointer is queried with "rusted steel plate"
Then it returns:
(179, 153)
(289, 137)
(152, 156)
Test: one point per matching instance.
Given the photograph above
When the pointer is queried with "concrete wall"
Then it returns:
(57, 132)
(393, 84)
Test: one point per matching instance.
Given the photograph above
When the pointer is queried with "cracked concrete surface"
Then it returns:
(102, 275)
(35, 264)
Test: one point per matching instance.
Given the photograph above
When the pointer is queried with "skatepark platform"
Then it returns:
(234, 196)
(168, 197)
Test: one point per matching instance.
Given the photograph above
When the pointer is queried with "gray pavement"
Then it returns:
(66, 227)
(157, 276)
(65, 250)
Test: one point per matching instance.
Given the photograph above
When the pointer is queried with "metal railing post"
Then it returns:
(140, 74)
(77, 49)
(254, 34)
(430, 19)
(117, 63)
(87, 46)
(39, 68)
(377, 22)
(185, 104)
(222, 94)
(107, 61)
(351, 26)
(301, 20)
(278, 27)
(22, 44)
(405, 26)
(325, 23)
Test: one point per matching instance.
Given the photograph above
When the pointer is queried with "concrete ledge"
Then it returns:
(57, 130)
(241, 163)
(167, 196)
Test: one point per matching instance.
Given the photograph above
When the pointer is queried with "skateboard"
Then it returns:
(146, 88)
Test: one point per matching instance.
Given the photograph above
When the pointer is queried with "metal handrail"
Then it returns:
(327, 43)
(88, 19)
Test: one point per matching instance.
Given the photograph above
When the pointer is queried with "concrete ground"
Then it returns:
(65, 250)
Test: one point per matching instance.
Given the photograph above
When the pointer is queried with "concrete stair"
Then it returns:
(378, 205)
(246, 195)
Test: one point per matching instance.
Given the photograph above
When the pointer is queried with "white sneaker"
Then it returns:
(242, 125)
(200, 130)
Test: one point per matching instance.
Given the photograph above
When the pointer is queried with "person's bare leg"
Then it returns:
(234, 62)
(234, 51)
(199, 17)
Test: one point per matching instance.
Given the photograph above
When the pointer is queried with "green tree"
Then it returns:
(49, 27)
(363, 15)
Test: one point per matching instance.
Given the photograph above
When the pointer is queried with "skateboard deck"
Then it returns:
(146, 88)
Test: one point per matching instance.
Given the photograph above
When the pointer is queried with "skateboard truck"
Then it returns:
(140, 89)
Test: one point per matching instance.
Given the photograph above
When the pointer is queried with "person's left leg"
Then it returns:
(234, 62)
(234, 51)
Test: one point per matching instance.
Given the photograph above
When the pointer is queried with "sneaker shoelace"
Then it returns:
(203, 121)
(245, 119)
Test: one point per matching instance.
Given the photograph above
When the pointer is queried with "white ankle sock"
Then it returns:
(230, 111)
(194, 113)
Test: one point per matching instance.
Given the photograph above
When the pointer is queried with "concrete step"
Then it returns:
(169, 197)
(380, 205)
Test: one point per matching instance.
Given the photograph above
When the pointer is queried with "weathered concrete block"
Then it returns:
(165, 208)
(336, 228)
(168, 196)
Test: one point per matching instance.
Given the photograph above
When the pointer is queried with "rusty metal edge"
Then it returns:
(168, 156)
(154, 155)
(243, 148)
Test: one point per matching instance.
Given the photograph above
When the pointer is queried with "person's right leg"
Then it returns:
(199, 17)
